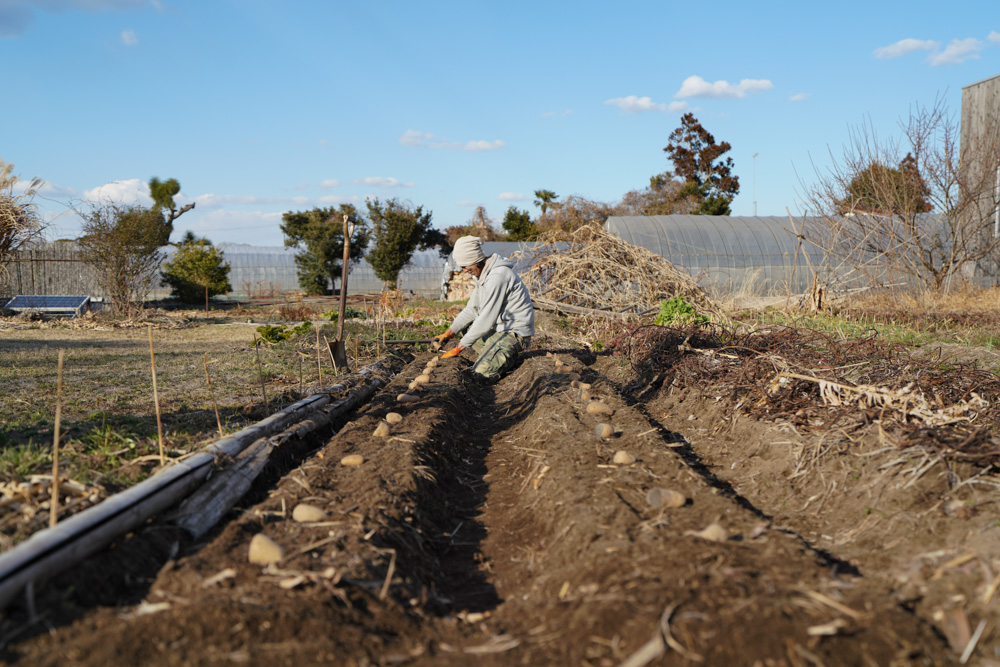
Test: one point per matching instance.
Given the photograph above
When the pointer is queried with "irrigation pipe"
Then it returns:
(52, 550)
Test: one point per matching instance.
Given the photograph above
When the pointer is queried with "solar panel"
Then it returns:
(49, 304)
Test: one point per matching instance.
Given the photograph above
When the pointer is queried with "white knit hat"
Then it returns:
(468, 251)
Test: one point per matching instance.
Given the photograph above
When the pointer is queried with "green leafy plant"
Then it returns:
(270, 333)
(276, 333)
(677, 311)
(349, 313)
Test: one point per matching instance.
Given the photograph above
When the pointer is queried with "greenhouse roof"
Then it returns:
(715, 240)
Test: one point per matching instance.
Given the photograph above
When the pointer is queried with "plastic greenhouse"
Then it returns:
(758, 255)
(263, 270)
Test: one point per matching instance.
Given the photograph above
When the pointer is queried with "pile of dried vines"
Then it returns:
(819, 382)
(602, 272)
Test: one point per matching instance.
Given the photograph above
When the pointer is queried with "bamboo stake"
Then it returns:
(156, 397)
(54, 509)
(260, 374)
(211, 391)
(319, 362)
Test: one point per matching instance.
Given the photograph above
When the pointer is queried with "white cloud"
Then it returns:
(695, 86)
(381, 182)
(329, 183)
(957, 52)
(415, 138)
(903, 47)
(994, 37)
(483, 145)
(798, 97)
(17, 15)
(677, 107)
(52, 192)
(513, 196)
(131, 191)
(636, 104)
(129, 38)
(327, 200)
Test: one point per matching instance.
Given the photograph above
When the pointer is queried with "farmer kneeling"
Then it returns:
(499, 310)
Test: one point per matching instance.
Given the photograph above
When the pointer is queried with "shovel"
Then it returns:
(338, 348)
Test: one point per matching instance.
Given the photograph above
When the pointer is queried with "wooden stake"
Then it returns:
(156, 397)
(300, 377)
(54, 509)
(212, 392)
(260, 373)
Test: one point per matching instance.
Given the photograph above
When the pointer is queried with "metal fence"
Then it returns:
(51, 270)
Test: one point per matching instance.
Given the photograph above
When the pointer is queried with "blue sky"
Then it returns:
(260, 107)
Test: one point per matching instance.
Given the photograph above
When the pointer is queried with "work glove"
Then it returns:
(442, 339)
(453, 352)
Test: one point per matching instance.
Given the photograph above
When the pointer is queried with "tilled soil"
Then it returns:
(493, 526)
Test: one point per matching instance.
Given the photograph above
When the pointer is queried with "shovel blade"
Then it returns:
(338, 354)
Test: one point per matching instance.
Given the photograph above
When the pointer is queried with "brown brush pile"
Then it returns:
(817, 382)
(602, 272)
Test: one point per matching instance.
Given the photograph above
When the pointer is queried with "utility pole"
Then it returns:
(755, 185)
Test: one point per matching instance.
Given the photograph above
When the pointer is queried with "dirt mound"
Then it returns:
(493, 524)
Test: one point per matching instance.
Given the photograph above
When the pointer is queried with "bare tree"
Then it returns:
(19, 220)
(481, 225)
(575, 212)
(664, 196)
(122, 243)
(925, 215)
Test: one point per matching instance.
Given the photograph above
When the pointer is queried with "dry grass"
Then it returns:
(965, 299)
(108, 381)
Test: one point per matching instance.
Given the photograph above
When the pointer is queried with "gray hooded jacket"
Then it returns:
(500, 302)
